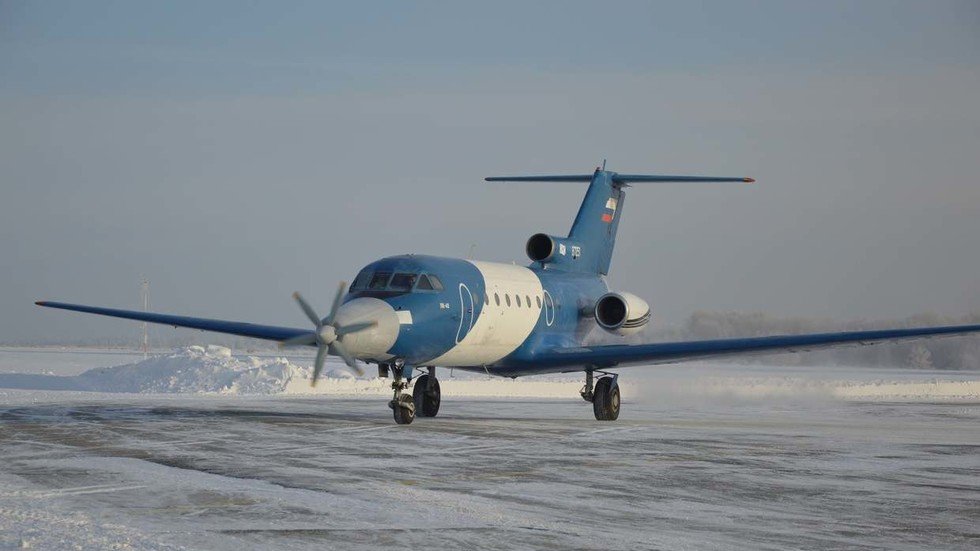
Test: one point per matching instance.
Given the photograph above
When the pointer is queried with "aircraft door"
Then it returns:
(466, 312)
(549, 309)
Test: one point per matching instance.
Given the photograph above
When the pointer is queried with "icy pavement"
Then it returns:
(98, 471)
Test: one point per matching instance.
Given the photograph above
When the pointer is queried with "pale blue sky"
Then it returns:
(234, 152)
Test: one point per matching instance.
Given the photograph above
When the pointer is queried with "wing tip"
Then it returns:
(40, 303)
(748, 180)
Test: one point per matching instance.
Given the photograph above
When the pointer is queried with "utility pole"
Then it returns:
(145, 292)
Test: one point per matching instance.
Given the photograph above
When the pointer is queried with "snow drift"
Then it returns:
(214, 370)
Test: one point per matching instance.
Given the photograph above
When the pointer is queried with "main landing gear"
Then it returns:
(427, 395)
(604, 396)
(423, 401)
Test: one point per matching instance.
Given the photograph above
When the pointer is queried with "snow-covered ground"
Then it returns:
(202, 449)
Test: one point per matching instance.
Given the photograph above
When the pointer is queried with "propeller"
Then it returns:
(327, 334)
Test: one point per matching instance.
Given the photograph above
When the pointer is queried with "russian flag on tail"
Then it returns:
(610, 212)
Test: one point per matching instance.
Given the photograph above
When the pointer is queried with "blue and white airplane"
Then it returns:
(416, 313)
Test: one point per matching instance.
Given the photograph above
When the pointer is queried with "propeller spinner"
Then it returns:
(327, 334)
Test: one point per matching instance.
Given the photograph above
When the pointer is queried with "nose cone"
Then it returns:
(372, 343)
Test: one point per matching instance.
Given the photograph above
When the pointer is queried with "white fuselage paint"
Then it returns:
(499, 329)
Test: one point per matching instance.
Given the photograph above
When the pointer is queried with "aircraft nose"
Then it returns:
(374, 342)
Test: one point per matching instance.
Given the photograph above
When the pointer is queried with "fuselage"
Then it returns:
(476, 315)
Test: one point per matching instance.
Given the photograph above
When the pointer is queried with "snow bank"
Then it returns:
(214, 370)
(196, 370)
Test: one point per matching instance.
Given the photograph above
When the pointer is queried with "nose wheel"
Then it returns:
(402, 405)
(404, 409)
(427, 395)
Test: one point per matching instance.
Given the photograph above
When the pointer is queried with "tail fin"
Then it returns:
(593, 233)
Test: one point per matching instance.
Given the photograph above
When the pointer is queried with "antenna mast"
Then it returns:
(145, 294)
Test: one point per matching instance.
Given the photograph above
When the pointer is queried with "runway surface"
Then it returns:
(165, 472)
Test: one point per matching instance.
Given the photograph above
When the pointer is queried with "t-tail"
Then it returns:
(589, 245)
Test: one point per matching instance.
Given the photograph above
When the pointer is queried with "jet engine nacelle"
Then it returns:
(548, 249)
(621, 313)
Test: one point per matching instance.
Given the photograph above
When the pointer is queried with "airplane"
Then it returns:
(413, 313)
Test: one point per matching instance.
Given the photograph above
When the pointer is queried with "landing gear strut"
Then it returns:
(427, 395)
(604, 396)
(402, 405)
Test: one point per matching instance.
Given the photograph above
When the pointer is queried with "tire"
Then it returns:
(426, 403)
(599, 399)
(613, 402)
(404, 410)
(606, 402)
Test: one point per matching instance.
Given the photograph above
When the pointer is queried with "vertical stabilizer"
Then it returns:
(594, 229)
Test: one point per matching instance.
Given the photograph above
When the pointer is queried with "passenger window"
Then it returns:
(528, 299)
(538, 300)
(424, 284)
(402, 282)
(517, 299)
(486, 299)
(507, 299)
(436, 284)
(496, 298)
(476, 299)
(380, 280)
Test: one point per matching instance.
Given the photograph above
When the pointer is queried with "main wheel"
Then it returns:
(605, 404)
(426, 400)
(404, 409)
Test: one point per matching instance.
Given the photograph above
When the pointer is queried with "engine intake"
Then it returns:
(541, 247)
(622, 313)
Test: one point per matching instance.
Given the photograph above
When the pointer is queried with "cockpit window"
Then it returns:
(380, 280)
(436, 284)
(424, 284)
(402, 282)
(361, 281)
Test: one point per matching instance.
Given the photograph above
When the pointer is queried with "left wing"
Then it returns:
(267, 332)
(606, 356)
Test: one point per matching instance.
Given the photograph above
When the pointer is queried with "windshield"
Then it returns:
(379, 281)
(361, 281)
(400, 282)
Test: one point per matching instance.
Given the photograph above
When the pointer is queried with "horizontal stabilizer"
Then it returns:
(630, 178)
(568, 178)
(619, 178)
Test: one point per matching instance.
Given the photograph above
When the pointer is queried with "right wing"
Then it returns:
(267, 332)
(606, 356)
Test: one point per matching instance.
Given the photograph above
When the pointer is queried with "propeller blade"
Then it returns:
(341, 350)
(336, 304)
(307, 309)
(354, 327)
(321, 355)
(301, 340)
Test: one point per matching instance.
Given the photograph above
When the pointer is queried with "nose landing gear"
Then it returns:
(604, 396)
(401, 404)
